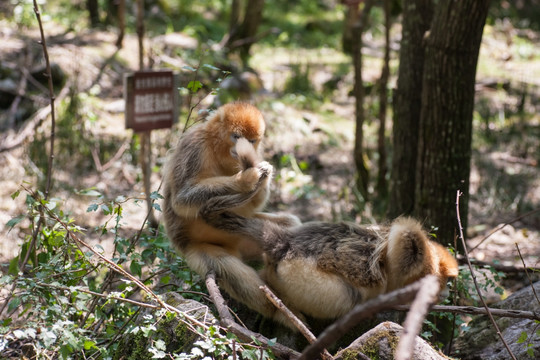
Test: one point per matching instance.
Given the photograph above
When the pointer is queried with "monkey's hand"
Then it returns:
(250, 179)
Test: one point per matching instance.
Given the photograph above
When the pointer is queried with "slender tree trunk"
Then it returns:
(121, 23)
(417, 15)
(243, 36)
(382, 186)
(444, 147)
(359, 94)
(93, 12)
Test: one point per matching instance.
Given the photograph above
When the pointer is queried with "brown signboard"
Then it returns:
(151, 100)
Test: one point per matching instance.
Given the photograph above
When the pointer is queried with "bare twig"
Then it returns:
(52, 98)
(527, 273)
(497, 330)
(242, 333)
(518, 314)
(293, 318)
(426, 296)
(358, 313)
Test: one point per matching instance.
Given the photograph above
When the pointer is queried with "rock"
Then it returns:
(480, 341)
(381, 342)
(176, 335)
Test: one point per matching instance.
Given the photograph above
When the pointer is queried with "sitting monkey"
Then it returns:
(219, 157)
(324, 269)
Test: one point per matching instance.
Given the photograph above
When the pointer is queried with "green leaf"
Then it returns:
(15, 194)
(155, 195)
(92, 207)
(88, 344)
(135, 268)
(189, 68)
(523, 337)
(194, 85)
(90, 192)
(212, 67)
(14, 221)
(14, 266)
(13, 304)
(65, 351)
(156, 206)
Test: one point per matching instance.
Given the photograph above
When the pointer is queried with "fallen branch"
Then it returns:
(358, 313)
(243, 334)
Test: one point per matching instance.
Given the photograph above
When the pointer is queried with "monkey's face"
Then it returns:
(238, 122)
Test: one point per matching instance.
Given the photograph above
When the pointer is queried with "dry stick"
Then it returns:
(358, 313)
(459, 193)
(426, 296)
(503, 226)
(243, 334)
(517, 314)
(527, 273)
(293, 318)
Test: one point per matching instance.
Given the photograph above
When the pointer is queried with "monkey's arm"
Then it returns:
(239, 188)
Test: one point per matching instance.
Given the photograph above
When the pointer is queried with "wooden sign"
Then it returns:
(151, 100)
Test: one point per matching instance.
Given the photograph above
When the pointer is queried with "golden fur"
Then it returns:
(323, 269)
(219, 159)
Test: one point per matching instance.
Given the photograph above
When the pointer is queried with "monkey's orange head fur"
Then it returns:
(240, 119)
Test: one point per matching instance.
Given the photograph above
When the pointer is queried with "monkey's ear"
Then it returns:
(448, 265)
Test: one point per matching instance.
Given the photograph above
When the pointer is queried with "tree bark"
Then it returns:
(243, 36)
(359, 94)
(444, 146)
(417, 15)
(93, 12)
(382, 183)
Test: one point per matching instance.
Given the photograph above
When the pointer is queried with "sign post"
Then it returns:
(151, 99)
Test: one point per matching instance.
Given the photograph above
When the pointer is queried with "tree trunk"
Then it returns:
(359, 94)
(417, 15)
(444, 147)
(382, 186)
(243, 36)
(93, 12)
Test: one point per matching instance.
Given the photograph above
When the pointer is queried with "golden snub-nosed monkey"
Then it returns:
(324, 269)
(220, 160)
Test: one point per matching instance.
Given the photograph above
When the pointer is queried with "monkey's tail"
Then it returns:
(247, 155)
(408, 250)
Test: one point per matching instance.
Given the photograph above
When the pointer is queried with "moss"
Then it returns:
(133, 347)
(371, 348)
(176, 335)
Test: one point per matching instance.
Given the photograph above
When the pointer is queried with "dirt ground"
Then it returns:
(505, 181)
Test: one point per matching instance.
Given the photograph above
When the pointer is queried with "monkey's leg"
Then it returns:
(236, 278)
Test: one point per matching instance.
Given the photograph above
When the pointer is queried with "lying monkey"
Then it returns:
(324, 269)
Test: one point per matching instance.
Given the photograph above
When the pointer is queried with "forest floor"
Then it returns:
(317, 179)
